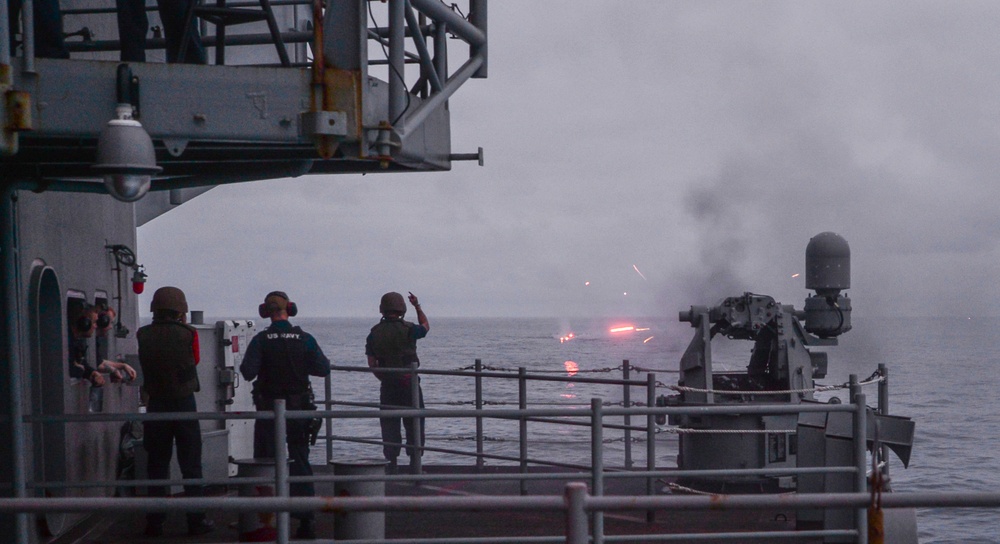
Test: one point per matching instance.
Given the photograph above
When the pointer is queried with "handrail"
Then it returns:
(597, 412)
(575, 502)
(510, 414)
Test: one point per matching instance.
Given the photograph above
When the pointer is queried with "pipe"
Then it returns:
(522, 404)
(627, 401)
(27, 36)
(319, 64)
(444, 503)
(478, 17)
(11, 299)
(479, 418)
(650, 442)
(5, 51)
(545, 476)
(883, 408)
(597, 462)
(437, 10)
(418, 115)
(426, 63)
(441, 50)
(398, 92)
(328, 391)
(576, 517)
(499, 413)
(860, 461)
(281, 466)
(418, 423)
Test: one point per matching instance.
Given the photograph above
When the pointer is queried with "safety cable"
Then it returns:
(874, 378)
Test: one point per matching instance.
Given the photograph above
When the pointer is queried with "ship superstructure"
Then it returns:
(93, 147)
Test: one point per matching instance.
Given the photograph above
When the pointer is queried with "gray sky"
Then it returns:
(701, 142)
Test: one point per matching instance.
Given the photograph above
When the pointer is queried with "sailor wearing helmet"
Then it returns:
(169, 354)
(392, 343)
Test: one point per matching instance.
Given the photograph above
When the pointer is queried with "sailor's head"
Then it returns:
(277, 306)
(105, 317)
(392, 305)
(169, 303)
(83, 320)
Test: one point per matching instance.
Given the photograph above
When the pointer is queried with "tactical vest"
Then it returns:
(283, 362)
(393, 345)
(167, 359)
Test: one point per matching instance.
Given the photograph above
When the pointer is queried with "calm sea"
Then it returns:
(941, 375)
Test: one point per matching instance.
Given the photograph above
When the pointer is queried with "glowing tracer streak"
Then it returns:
(636, 268)
(622, 329)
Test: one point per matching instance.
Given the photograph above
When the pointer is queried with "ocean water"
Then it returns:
(941, 374)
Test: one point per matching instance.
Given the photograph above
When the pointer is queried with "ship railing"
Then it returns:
(575, 503)
(647, 432)
(597, 472)
(524, 379)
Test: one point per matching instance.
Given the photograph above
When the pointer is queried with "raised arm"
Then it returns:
(421, 316)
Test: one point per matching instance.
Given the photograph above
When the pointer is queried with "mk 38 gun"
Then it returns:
(782, 368)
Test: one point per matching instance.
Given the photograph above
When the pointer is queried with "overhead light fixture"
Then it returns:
(125, 155)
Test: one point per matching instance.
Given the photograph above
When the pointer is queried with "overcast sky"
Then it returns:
(699, 143)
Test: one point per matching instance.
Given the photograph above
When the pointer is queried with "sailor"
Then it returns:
(105, 317)
(84, 321)
(169, 355)
(392, 343)
(281, 358)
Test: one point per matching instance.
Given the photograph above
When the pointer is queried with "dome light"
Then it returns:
(125, 156)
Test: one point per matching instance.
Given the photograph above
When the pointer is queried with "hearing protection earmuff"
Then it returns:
(83, 323)
(264, 310)
(103, 321)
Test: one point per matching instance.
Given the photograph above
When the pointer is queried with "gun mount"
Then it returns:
(782, 368)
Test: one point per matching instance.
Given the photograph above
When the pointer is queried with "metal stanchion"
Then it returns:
(522, 403)
(597, 463)
(281, 466)
(479, 418)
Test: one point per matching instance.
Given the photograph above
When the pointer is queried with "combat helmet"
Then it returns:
(169, 298)
(392, 302)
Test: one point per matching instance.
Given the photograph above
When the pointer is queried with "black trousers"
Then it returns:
(397, 394)
(159, 438)
(298, 448)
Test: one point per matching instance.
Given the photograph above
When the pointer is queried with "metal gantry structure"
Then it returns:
(324, 113)
(322, 105)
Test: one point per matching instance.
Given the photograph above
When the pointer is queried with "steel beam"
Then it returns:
(437, 100)
(437, 10)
